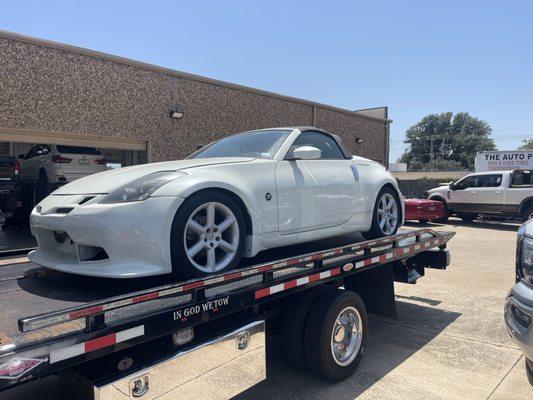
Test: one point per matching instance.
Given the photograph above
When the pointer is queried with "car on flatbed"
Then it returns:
(505, 193)
(519, 303)
(234, 198)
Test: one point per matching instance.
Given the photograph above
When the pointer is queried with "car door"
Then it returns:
(487, 195)
(461, 196)
(315, 194)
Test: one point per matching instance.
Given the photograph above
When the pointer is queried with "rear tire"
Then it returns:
(527, 213)
(199, 244)
(376, 229)
(337, 317)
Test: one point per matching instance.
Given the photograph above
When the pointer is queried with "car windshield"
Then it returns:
(257, 144)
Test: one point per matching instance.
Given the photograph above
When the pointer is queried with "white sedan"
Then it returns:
(235, 197)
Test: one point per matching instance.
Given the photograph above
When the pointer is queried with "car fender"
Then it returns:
(257, 195)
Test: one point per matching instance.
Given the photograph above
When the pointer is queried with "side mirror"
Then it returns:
(22, 156)
(306, 153)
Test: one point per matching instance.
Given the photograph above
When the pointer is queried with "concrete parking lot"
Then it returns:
(449, 341)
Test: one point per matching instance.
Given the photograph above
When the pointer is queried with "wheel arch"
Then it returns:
(398, 194)
(247, 216)
(527, 202)
(438, 197)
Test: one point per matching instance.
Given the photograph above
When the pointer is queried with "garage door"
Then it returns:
(107, 142)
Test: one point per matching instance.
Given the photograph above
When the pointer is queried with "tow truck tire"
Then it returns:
(293, 323)
(336, 317)
(529, 371)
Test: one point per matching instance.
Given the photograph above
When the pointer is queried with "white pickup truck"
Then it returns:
(508, 193)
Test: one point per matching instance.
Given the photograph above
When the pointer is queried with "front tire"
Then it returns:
(207, 236)
(386, 216)
(468, 217)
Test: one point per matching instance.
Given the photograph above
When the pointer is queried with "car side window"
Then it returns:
(522, 178)
(42, 149)
(31, 153)
(329, 148)
(489, 180)
(468, 182)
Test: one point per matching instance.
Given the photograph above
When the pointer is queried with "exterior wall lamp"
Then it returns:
(176, 114)
(358, 140)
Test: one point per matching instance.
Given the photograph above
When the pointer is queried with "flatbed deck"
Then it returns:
(45, 312)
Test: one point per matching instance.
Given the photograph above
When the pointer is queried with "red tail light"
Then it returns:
(61, 160)
(16, 167)
(100, 161)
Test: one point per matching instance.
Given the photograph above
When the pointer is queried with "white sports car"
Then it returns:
(235, 197)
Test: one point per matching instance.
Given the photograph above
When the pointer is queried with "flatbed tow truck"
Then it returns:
(204, 338)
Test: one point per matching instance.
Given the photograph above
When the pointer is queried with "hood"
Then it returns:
(107, 181)
(445, 187)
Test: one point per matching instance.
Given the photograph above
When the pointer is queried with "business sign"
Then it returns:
(504, 160)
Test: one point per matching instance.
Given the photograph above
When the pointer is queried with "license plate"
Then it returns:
(83, 162)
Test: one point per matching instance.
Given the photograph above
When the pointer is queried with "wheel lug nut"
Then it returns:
(211, 244)
(205, 239)
(217, 238)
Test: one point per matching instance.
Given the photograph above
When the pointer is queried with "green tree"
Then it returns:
(438, 138)
(527, 144)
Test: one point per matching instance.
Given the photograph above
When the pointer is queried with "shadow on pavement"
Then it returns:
(389, 344)
(453, 222)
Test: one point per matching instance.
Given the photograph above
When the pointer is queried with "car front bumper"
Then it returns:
(135, 236)
(520, 303)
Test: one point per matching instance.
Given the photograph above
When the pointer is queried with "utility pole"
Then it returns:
(432, 156)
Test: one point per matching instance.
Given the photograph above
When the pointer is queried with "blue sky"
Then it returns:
(416, 57)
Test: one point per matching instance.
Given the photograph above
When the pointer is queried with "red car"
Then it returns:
(424, 210)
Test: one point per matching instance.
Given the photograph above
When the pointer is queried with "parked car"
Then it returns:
(238, 196)
(50, 165)
(519, 303)
(506, 193)
(424, 210)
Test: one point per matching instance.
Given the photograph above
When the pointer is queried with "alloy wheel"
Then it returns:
(387, 214)
(211, 237)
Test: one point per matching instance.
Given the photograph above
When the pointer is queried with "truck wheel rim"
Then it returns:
(346, 336)
(387, 214)
(211, 237)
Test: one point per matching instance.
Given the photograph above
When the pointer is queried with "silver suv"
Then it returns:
(519, 303)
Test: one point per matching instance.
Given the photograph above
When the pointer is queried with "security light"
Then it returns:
(176, 114)
(358, 140)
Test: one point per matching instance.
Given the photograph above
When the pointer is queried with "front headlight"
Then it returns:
(526, 260)
(141, 188)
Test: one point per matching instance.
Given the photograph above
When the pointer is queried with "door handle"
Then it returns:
(471, 192)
